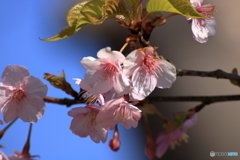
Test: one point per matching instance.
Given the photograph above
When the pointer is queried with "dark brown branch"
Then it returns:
(214, 74)
(205, 99)
(64, 101)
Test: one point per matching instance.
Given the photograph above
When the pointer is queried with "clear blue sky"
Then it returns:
(22, 24)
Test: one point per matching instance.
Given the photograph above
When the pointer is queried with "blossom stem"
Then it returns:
(26, 147)
(123, 47)
(6, 128)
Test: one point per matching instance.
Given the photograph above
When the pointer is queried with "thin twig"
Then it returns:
(208, 99)
(214, 74)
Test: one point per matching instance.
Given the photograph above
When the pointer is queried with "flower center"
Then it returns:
(19, 94)
(184, 138)
(207, 10)
(150, 64)
(90, 121)
(109, 70)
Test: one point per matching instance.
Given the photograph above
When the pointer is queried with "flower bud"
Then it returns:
(114, 143)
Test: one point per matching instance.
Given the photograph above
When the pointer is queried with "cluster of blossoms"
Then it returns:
(117, 83)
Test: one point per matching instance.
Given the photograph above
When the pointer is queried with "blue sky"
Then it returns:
(22, 24)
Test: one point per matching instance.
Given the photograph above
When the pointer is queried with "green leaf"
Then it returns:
(182, 7)
(75, 13)
(90, 12)
(93, 11)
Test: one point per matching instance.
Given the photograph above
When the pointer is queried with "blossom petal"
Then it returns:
(113, 56)
(3, 156)
(189, 122)
(13, 75)
(167, 75)
(78, 110)
(34, 86)
(132, 61)
(95, 83)
(90, 63)
(143, 82)
(211, 26)
(9, 110)
(32, 108)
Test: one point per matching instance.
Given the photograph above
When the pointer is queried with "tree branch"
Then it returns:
(64, 101)
(205, 99)
(214, 74)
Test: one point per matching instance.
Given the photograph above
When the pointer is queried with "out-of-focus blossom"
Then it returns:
(104, 73)
(23, 95)
(203, 28)
(118, 110)
(148, 71)
(84, 123)
(3, 156)
(172, 136)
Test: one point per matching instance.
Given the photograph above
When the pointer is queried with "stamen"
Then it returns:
(19, 94)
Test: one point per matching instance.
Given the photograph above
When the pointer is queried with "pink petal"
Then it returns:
(143, 82)
(90, 63)
(133, 60)
(77, 127)
(167, 75)
(121, 84)
(9, 110)
(34, 86)
(3, 156)
(99, 135)
(95, 83)
(13, 75)
(113, 56)
(32, 108)
(189, 122)
(211, 26)
(78, 110)
(162, 148)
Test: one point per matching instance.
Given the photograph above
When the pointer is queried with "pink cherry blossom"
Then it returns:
(84, 123)
(118, 110)
(22, 95)
(148, 71)
(104, 73)
(203, 28)
(171, 138)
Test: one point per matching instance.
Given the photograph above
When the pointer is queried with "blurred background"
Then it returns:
(24, 22)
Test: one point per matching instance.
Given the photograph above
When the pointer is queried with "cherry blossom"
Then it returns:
(172, 136)
(22, 95)
(148, 71)
(84, 123)
(104, 73)
(203, 28)
(118, 110)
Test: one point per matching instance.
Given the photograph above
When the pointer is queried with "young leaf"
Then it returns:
(182, 7)
(75, 21)
(93, 11)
